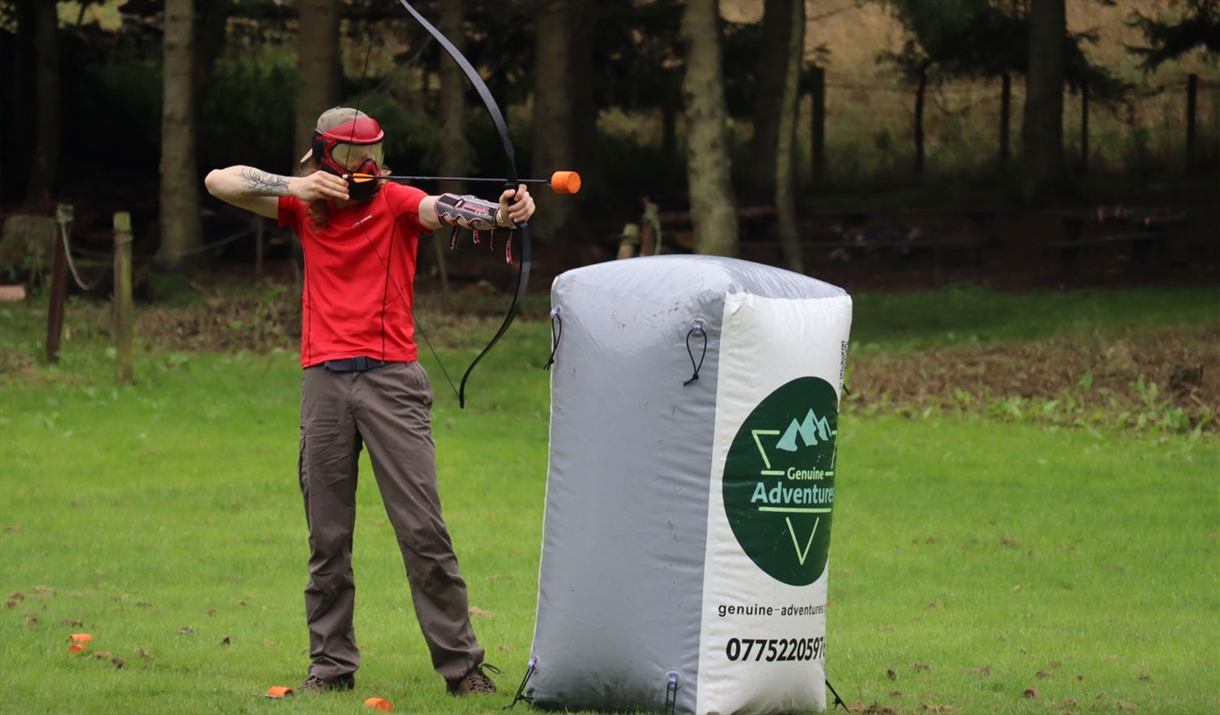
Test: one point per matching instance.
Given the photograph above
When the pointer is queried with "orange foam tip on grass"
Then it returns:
(379, 704)
(279, 691)
(565, 182)
(76, 648)
(80, 638)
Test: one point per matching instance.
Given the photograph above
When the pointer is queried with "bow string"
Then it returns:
(493, 110)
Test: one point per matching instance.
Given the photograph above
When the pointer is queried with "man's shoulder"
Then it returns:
(403, 196)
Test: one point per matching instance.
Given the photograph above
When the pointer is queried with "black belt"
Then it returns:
(356, 364)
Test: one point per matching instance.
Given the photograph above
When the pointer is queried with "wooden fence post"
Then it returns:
(1192, 96)
(124, 313)
(59, 284)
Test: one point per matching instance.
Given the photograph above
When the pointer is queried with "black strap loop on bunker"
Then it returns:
(556, 335)
(529, 670)
(698, 331)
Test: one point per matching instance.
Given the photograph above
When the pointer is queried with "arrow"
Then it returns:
(562, 182)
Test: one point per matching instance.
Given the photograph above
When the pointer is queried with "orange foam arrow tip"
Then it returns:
(565, 182)
(379, 704)
(279, 691)
(80, 638)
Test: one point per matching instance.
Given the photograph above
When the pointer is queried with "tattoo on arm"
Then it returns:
(260, 183)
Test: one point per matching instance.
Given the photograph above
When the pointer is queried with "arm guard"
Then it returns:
(468, 212)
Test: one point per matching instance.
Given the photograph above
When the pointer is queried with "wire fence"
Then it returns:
(870, 129)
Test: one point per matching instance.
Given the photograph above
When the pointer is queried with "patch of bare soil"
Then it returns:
(1166, 380)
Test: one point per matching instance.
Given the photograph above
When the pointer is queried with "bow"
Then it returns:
(511, 181)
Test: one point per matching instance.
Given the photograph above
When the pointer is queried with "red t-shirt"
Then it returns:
(359, 277)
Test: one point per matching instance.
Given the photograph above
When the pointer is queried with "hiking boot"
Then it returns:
(314, 684)
(476, 682)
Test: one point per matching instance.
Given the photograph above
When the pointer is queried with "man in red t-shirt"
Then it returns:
(362, 385)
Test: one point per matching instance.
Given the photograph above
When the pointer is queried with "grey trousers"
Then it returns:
(389, 410)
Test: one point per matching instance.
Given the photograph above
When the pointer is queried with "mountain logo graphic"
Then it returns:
(809, 431)
(779, 480)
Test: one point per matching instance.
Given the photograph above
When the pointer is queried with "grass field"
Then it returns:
(979, 565)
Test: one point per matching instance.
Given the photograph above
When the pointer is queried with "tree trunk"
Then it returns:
(1044, 173)
(713, 212)
(47, 104)
(595, 189)
(817, 133)
(181, 231)
(318, 67)
(455, 152)
(456, 155)
(554, 148)
(210, 25)
(921, 93)
(785, 152)
(769, 84)
(17, 117)
(1005, 119)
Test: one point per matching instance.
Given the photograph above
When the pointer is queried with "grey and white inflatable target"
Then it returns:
(690, 489)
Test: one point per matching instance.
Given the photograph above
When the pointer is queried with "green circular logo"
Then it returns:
(779, 480)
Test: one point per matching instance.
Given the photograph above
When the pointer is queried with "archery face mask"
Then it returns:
(358, 162)
(353, 147)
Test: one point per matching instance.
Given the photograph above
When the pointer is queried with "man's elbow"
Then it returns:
(212, 182)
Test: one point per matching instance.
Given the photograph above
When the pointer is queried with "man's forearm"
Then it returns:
(256, 182)
(249, 188)
(247, 181)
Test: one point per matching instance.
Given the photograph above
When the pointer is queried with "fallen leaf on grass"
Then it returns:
(118, 662)
(1044, 674)
(889, 673)
(13, 527)
(920, 666)
(983, 672)
(103, 654)
(143, 653)
(186, 631)
(14, 598)
(476, 612)
(70, 622)
(1031, 693)
(859, 707)
(508, 649)
(895, 693)
(1144, 675)
(226, 641)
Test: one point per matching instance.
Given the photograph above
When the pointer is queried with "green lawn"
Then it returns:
(973, 560)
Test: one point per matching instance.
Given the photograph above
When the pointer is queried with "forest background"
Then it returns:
(894, 104)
